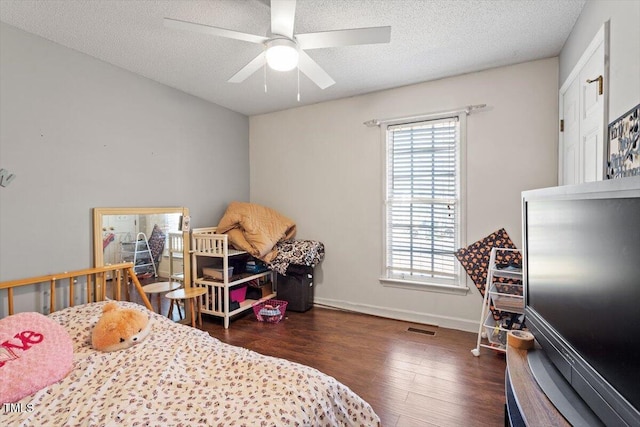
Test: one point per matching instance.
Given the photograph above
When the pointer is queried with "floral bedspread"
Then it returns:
(181, 376)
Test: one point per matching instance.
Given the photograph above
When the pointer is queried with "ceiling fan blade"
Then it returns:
(312, 70)
(253, 66)
(283, 14)
(344, 37)
(214, 31)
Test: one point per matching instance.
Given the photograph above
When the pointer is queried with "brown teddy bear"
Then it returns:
(119, 328)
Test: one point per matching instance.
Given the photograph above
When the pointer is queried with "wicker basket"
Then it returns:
(271, 311)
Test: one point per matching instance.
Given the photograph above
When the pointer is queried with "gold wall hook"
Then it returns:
(599, 79)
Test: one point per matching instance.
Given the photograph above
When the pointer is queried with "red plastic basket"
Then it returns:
(271, 311)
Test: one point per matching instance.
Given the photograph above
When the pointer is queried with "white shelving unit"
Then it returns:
(506, 297)
(205, 245)
(176, 253)
(139, 253)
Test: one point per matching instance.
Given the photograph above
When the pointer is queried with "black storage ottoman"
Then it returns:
(296, 287)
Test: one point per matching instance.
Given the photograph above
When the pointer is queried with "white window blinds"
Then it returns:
(422, 201)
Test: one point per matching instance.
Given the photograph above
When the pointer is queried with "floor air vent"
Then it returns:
(422, 331)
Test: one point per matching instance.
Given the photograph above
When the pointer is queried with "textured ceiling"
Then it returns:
(430, 39)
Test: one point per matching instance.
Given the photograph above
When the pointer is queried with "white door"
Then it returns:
(570, 170)
(592, 117)
(117, 229)
(583, 100)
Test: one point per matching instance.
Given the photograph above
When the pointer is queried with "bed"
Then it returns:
(181, 376)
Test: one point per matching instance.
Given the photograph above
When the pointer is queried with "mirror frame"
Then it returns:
(98, 214)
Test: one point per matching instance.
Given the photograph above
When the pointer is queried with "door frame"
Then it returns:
(602, 36)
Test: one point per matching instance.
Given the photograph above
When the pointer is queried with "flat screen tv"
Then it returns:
(581, 246)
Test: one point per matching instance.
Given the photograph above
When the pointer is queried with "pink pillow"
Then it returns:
(35, 352)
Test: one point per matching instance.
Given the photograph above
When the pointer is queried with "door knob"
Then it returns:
(598, 79)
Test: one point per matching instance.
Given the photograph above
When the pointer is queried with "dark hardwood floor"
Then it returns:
(409, 378)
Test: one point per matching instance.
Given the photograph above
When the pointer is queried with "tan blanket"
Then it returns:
(256, 229)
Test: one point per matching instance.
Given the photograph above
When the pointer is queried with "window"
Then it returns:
(423, 204)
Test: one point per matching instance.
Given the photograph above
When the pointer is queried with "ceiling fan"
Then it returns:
(284, 50)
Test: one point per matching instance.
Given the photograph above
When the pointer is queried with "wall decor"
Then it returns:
(6, 177)
(623, 157)
(185, 223)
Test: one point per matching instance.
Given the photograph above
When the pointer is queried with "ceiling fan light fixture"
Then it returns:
(282, 54)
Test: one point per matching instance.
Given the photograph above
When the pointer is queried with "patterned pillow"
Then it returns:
(156, 243)
(35, 352)
(475, 259)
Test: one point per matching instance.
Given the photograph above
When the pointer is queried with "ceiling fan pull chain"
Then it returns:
(265, 77)
(298, 84)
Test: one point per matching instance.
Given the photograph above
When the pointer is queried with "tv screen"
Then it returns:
(582, 289)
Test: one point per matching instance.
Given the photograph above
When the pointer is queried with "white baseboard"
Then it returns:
(406, 315)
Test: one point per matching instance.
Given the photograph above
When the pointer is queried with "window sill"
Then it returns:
(426, 287)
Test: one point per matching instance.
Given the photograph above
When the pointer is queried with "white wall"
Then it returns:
(79, 133)
(624, 50)
(322, 167)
